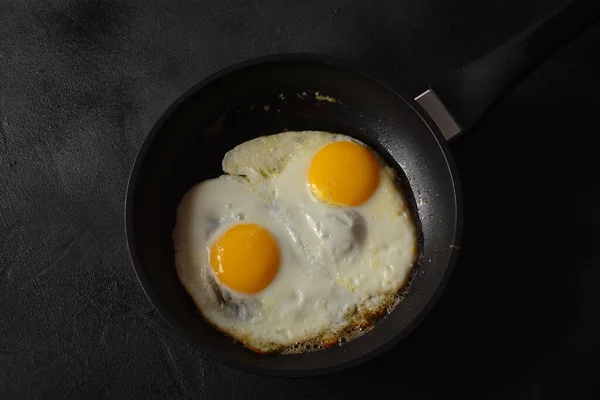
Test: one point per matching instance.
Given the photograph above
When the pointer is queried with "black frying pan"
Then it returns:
(277, 93)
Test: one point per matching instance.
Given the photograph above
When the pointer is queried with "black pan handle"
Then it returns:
(457, 102)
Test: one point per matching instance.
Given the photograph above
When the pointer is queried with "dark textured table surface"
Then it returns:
(83, 81)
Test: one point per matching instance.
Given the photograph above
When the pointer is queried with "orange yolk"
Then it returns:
(344, 174)
(245, 258)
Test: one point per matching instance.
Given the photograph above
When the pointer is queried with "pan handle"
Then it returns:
(458, 101)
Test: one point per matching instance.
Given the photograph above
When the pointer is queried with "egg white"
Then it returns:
(338, 264)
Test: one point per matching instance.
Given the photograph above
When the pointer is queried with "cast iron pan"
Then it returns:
(284, 92)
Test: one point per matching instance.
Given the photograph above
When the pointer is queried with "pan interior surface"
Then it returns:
(188, 143)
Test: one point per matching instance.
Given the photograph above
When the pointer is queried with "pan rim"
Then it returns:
(155, 300)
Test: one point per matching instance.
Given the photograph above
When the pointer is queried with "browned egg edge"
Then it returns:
(360, 323)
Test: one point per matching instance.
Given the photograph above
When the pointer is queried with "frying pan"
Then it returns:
(291, 92)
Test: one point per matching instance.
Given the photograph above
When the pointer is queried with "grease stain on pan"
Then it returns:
(276, 103)
(283, 97)
(322, 97)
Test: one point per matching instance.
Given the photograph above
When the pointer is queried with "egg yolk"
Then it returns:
(245, 258)
(344, 174)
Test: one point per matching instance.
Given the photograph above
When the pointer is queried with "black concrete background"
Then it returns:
(81, 84)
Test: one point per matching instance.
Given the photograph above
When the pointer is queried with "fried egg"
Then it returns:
(305, 237)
